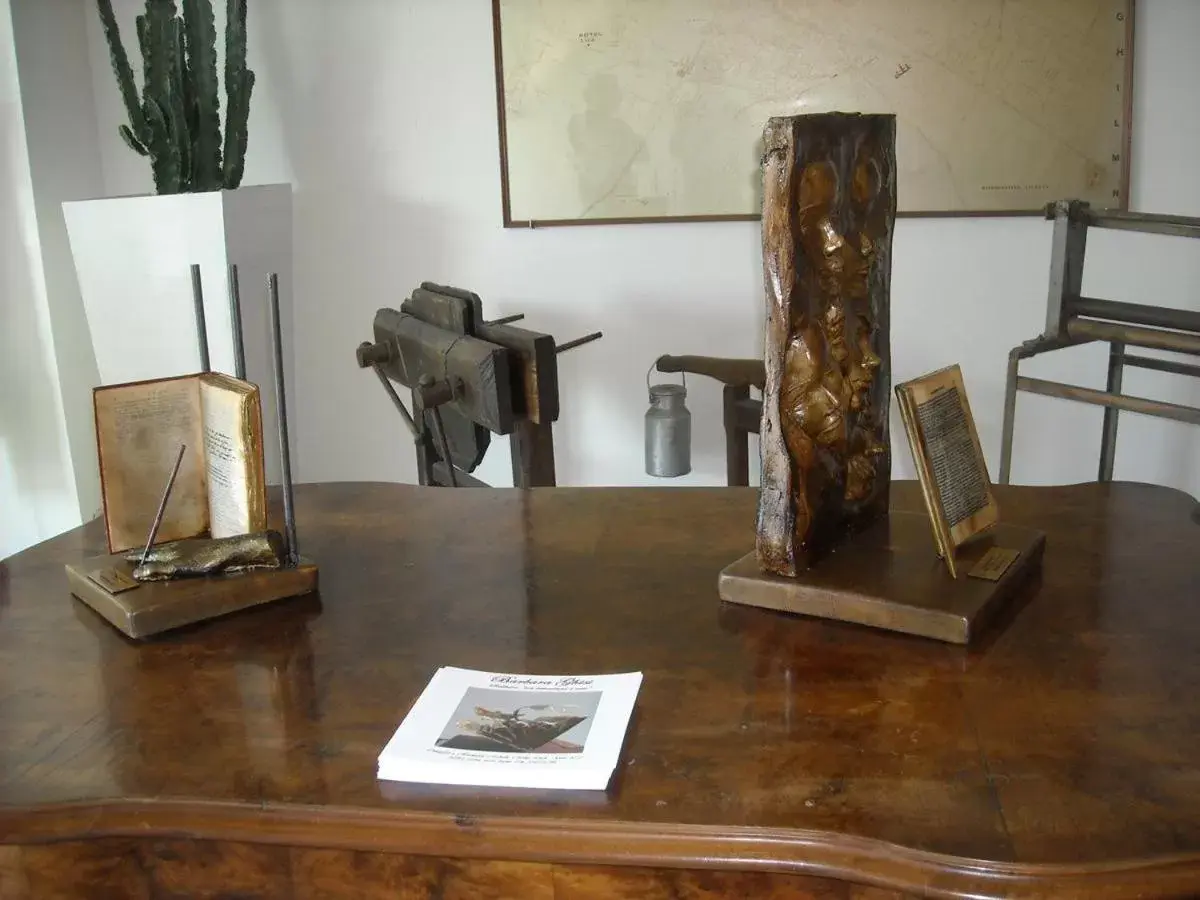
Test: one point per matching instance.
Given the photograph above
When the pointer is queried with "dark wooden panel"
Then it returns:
(215, 870)
(600, 883)
(354, 875)
(346, 875)
(221, 870)
(97, 870)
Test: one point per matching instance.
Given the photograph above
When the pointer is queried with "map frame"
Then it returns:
(1126, 144)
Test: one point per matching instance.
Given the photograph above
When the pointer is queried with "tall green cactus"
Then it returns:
(176, 119)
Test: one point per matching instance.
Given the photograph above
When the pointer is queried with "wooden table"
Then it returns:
(769, 757)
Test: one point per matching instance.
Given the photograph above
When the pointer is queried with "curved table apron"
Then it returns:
(769, 756)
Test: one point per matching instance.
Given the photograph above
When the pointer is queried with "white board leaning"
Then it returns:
(654, 109)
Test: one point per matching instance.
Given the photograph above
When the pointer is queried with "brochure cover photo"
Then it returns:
(520, 721)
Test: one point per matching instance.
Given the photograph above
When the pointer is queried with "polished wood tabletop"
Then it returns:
(769, 755)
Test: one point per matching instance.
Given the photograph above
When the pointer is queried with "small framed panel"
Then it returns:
(949, 459)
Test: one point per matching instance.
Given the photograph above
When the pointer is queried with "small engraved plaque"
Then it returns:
(113, 580)
(993, 564)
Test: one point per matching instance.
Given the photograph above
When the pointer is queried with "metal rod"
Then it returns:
(1141, 337)
(1010, 415)
(162, 506)
(401, 408)
(504, 320)
(1150, 223)
(201, 326)
(1108, 440)
(1068, 249)
(235, 320)
(1135, 313)
(1188, 414)
(579, 342)
(1161, 365)
(285, 459)
(1041, 344)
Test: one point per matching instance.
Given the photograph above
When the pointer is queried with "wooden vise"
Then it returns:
(469, 379)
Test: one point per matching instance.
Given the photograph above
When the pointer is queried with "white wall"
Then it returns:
(38, 493)
(382, 113)
(64, 164)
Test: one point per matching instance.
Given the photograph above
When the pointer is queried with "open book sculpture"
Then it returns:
(220, 488)
(185, 501)
(827, 542)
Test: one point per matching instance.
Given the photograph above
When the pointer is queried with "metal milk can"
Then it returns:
(668, 430)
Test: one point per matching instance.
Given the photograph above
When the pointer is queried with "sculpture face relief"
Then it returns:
(828, 211)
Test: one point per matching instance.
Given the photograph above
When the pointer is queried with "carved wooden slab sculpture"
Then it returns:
(829, 207)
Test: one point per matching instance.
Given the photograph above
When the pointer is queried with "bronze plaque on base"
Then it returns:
(889, 576)
(153, 607)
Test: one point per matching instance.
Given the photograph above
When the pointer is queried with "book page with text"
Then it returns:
(231, 441)
(139, 428)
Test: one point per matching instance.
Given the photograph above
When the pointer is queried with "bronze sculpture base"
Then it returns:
(890, 577)
(152, 607)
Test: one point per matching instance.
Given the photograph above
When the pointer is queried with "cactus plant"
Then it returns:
(176, 119)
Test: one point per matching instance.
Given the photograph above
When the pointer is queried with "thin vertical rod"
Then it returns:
(1010, 416)
(162, 506)
(201, 326)
(1108, 440)
(399, 404)
(285, 459)
(235, 320)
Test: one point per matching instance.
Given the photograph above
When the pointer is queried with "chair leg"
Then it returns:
(532, 454)
(1010, 415)
(737, 441)
(1108, 440)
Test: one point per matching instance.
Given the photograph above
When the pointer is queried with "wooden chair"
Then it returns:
(742, 412)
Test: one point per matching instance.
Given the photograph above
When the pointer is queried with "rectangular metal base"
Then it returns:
(890, 577)
(157, 606)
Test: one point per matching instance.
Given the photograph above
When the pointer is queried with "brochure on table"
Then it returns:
(513, 730)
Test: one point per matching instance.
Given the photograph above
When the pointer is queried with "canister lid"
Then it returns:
(668, 390)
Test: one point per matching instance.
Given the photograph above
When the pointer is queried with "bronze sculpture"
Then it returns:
(197, 557)
(829, 206)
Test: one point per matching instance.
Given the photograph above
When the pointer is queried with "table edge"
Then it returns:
(549, 840)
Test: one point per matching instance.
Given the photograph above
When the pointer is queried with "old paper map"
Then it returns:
(655, 108)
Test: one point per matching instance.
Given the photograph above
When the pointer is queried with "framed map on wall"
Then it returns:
(653, 110)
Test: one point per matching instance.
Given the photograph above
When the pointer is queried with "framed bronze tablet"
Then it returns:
(949, 459)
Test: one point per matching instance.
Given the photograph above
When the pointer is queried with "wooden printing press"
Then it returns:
(469, 379)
